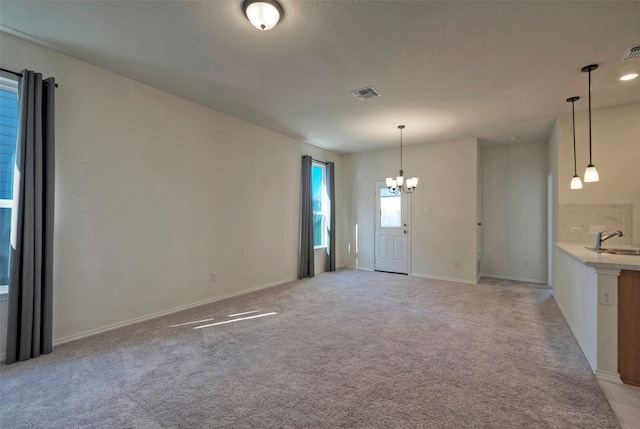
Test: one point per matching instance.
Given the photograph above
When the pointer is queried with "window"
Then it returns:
(390, 208)
(8, 139)
(320, 205)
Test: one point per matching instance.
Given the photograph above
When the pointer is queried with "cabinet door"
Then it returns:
(629, 327)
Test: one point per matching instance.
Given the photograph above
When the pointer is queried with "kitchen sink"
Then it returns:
(617, 251)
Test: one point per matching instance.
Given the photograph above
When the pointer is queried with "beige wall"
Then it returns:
(514, 211)
(448, 176)
(616, 154)
(153, 193)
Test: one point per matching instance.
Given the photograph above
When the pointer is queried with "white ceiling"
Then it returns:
(446, 69)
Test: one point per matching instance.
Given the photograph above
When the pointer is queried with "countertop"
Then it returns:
(600, 260)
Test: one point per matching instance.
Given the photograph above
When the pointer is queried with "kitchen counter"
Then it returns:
(585, 287)
(601, 260)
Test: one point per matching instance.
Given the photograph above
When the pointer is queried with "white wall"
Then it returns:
(552, 197)
(153, 193)
(616, 154)
(448, 176)
(575, 290)
(514, 211)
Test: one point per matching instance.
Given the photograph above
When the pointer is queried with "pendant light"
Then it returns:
(590, 174)
(576, 183)
(399, 184)
(263, 14)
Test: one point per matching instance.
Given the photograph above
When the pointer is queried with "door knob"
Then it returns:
(405, 231)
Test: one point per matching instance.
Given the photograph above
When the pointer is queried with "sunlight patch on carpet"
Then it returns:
(191, 323)
(235, 320)
(246, 312)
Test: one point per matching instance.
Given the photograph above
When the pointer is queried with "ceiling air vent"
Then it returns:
(632, 53)
(365, 93)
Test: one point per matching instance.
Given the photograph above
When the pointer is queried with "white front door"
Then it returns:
(391, 230)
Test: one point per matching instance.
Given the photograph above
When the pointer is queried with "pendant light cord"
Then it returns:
(590, 117)
(573, 112)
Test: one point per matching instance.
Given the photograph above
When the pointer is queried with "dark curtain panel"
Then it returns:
(29, 327)
(331, 192)
(306, 268)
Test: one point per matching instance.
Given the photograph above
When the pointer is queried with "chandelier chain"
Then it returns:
(400, 148)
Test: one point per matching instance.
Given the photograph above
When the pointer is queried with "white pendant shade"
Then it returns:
(264, 15)
(576, 183)
(591, 174)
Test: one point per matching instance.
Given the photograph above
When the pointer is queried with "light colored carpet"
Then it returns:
(345, 349)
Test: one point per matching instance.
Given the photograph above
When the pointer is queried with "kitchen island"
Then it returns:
(585, 287)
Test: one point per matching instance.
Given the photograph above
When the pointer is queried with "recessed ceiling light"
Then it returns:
(629, 76)
(514, 137)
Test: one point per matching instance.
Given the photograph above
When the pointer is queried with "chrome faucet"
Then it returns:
(599, 239)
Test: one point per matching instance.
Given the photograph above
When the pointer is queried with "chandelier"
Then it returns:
(399, 183)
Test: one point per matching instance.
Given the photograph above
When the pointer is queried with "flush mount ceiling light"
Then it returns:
(263, 14)
(399, 184)
(629, 76)
(590, 174)
(576, 183)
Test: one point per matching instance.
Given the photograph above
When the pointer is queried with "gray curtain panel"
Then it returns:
(305, 260)
(331, 192)
(29, 327)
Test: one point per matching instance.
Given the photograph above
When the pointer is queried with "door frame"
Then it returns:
(406, 214)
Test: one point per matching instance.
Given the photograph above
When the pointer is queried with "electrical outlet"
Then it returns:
(212, 277)
(526, 263)
(606, 296)
(576, 230)
(456, 264)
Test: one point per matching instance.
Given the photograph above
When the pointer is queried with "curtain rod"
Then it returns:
(15, 73)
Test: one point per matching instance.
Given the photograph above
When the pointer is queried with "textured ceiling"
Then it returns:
(446, 69)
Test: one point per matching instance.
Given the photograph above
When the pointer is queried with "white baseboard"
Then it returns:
(592, 364)
(608, 376)
(58, 341)
(448, 279)
(517, 279)
(365, 268)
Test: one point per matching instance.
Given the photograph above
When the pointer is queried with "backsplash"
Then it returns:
(578, 222)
